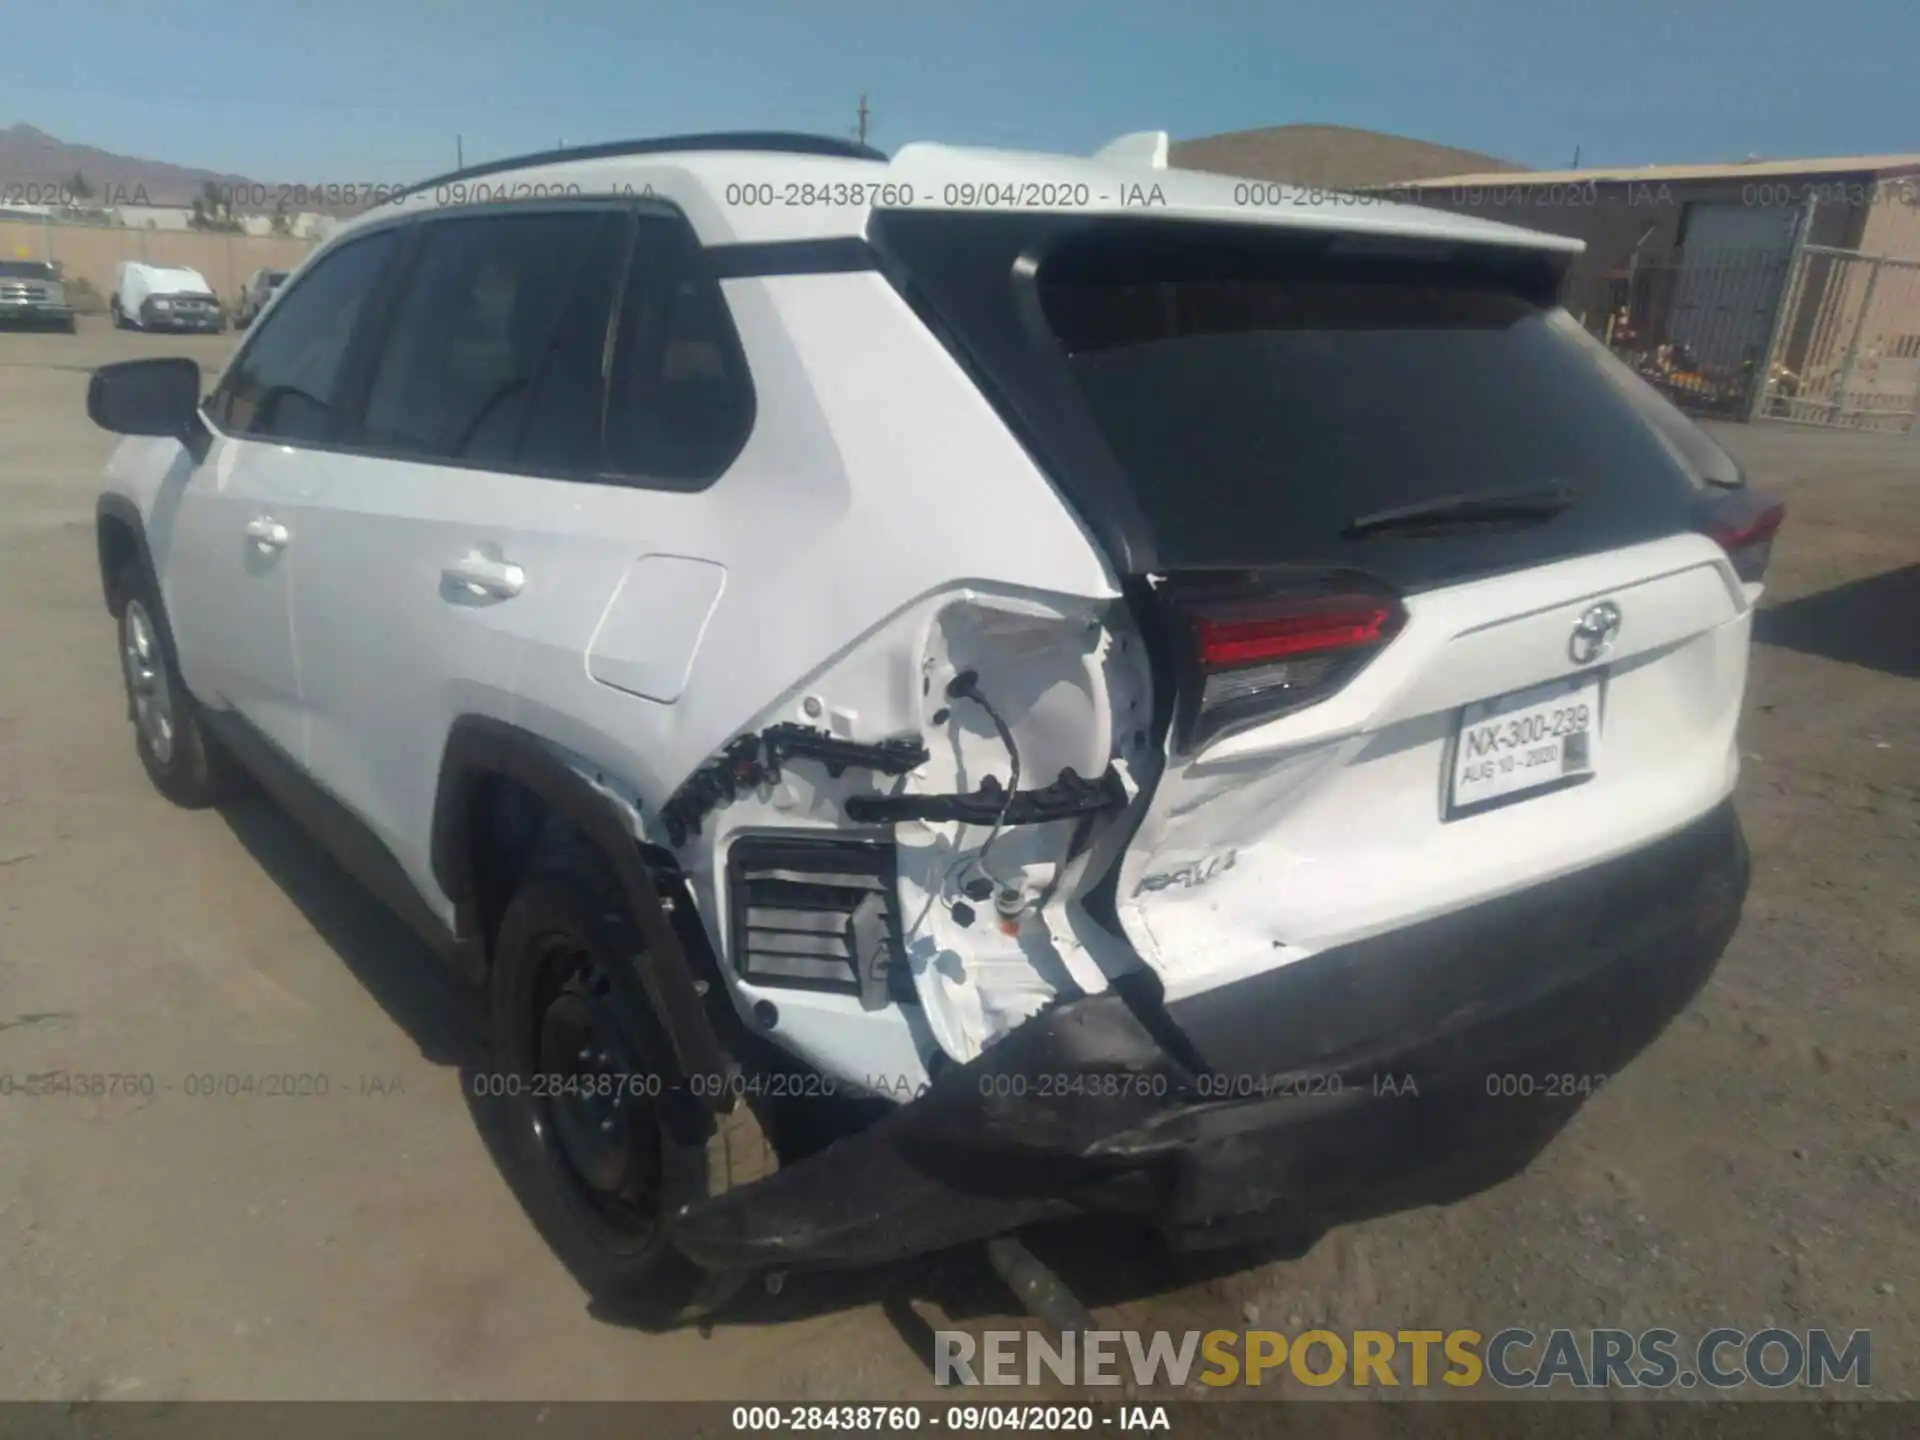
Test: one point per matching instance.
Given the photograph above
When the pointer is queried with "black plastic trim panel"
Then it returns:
(479, 746)
(841, 255)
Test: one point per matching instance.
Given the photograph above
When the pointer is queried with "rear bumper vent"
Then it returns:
(811, 912)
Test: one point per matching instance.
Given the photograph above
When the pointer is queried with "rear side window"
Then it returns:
(1260, 410)
(679, 402)
(493, 357)
(285, 384)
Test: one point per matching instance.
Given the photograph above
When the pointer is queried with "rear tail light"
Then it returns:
(1743, 522)
(1255, 651)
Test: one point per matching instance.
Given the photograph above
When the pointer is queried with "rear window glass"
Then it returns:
(1259, 410)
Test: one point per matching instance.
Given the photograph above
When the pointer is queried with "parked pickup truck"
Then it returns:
(30, 290)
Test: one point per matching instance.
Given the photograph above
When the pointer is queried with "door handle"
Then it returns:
(267, 533)
(478, 575)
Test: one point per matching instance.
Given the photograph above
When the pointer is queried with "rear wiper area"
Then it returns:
(1521, 505)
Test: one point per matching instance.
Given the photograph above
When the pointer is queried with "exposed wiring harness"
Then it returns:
(966, 686)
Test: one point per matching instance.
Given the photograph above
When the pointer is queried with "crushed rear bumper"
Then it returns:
(1411, 1069)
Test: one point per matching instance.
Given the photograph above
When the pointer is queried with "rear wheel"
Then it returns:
(185, 763)
(603, 1137)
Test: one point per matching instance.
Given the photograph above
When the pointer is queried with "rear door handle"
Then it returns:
(267, 533)
(478, 575)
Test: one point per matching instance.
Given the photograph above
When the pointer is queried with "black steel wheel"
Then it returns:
(603, 1138)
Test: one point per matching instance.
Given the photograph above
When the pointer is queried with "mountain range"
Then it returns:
(31, 160)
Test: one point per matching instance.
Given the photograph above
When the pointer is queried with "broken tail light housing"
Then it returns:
(1743, 522)
(1253, 648)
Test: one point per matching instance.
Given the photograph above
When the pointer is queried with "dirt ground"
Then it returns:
(1758, 1166)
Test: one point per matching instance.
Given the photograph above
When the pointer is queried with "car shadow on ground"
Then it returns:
(1867, 622)
(1104, 1262)
(422, 996)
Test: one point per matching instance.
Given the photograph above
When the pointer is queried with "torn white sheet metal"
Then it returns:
(1072, 694)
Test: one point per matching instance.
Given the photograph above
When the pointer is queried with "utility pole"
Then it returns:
(863, 118)
(459, 153)
(1576, 157)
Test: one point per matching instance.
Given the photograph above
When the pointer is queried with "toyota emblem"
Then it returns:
(1594, 633)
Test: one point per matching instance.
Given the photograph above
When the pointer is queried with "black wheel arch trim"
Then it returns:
(479, 746)
(119, 510)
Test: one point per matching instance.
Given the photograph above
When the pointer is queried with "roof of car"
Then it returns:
(168, 272)
(761, 188)
(766, 142)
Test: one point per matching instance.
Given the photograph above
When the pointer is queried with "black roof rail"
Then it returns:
(771, 141)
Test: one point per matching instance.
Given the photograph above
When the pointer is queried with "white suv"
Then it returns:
(946, 691)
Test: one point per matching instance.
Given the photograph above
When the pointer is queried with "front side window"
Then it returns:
(285, 384)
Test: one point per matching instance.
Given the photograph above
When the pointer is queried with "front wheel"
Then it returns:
(603, 1138)
(185, 763)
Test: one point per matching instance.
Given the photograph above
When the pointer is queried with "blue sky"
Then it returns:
(346, 90)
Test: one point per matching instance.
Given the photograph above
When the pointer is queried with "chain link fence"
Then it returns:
(1849, 348)
(1816, 335)
(1698, 325)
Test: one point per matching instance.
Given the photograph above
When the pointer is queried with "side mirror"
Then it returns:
(145, 397)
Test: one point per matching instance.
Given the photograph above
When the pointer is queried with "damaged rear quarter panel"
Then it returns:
(879, 512)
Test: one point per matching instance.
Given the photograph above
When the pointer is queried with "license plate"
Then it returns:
(1527, 741)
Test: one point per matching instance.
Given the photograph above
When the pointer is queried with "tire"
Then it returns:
(599, 1179)
(185, 763)
(72, 326)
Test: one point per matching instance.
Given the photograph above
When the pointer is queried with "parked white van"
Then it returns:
(164, 297)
